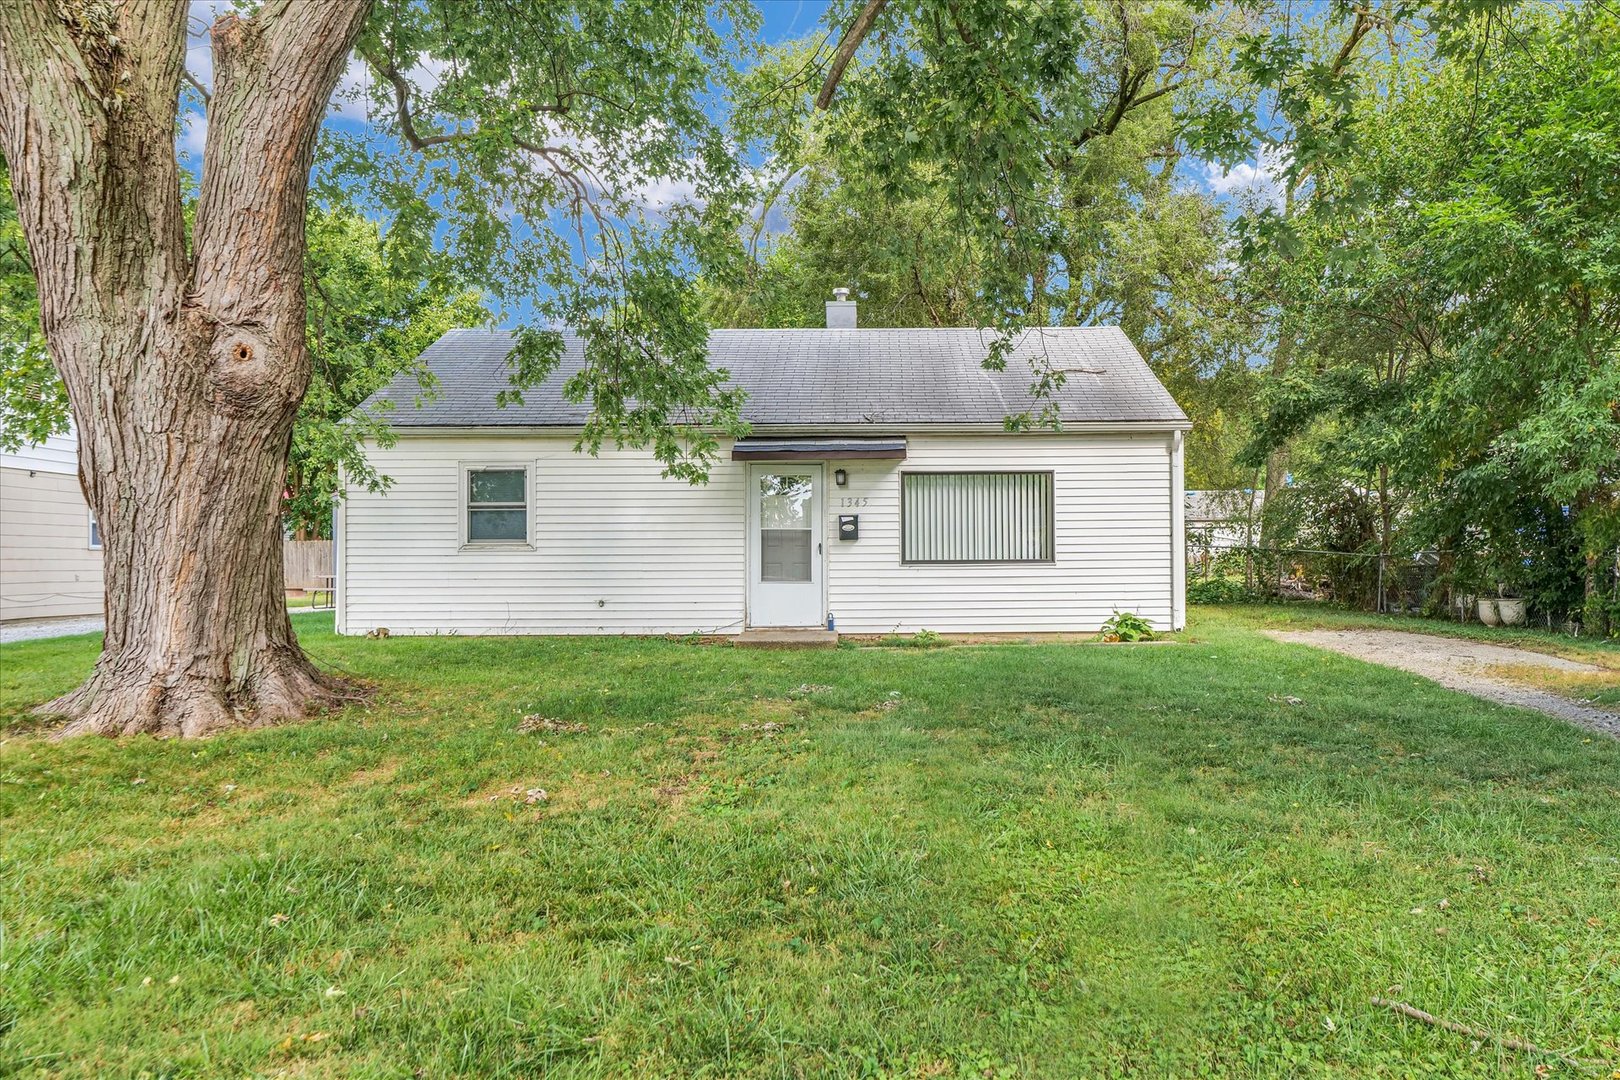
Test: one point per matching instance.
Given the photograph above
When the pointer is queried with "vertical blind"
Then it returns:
(976, 517)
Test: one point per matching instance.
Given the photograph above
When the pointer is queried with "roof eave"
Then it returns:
(1070, 427)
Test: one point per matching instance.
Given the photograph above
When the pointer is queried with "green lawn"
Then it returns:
(1053, 860)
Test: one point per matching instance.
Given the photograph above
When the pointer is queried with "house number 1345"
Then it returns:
(851, 502)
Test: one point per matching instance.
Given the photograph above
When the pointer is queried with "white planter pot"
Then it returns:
(1488, 613)
(1512, 612)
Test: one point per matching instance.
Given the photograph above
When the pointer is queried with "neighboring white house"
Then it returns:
(878, 488)
(50, 549)
(1223, 519)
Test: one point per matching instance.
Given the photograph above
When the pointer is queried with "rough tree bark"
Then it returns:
(184, 366)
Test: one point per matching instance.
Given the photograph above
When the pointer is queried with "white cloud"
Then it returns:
(349, 100)
(663, 192)
(193, 135)
(614, 172)
(1257, 181)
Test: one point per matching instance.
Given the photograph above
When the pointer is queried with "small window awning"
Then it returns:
(816, 448)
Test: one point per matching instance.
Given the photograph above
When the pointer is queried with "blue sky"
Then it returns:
(787, 19)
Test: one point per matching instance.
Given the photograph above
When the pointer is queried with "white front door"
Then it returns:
(784, 546)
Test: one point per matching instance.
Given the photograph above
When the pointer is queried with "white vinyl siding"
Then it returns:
(57, 454)
(976, 517)
(618, 549)
(1111, 536)
(47, 568)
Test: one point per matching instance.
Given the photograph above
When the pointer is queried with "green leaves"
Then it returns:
(997, 165)
(374, 302)
(571, 159)
(33, 402)
(1451, 284)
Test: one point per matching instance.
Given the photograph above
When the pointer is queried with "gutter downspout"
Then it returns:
(340, 550)
(1178, 531)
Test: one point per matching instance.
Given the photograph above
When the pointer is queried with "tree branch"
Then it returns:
(1521, 1045)
(846, 49)
(1358, 30)
(191, 81)
(567, 166)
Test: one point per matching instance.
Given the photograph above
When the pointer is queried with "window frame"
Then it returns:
(1050, 539)
(92, 532)
(465, 505)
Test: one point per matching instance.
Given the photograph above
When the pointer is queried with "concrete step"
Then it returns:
(786, 638)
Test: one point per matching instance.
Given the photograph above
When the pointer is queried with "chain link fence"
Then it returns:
(1225, 564)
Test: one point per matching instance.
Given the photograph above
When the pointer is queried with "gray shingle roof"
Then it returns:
(892, 378)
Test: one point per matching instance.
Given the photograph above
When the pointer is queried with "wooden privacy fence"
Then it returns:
(306, 564)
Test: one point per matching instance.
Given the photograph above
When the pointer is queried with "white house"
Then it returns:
(1221, 520)
(879, 490)
(50, 549)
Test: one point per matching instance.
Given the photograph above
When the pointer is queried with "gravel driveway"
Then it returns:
(1460, 665)
(34, 629)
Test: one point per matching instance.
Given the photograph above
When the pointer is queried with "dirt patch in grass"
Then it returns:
(550, 725)
(674, 793)
(548, 797)
(763, 710)
(1598, 688)
(381, 773)
(520, 793)
(759, 714)
(593, 791)
(882, 708)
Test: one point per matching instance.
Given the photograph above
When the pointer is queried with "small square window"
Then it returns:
(498, 505)
(95, 532)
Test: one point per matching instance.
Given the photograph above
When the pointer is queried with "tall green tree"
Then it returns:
(1450, 284)
(524, 137)
(1528, 236)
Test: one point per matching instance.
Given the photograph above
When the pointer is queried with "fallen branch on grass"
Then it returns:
(1521, 1045)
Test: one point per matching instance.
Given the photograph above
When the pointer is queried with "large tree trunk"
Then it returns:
(184, 368)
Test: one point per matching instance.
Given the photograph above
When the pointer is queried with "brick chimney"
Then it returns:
(840, 311)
